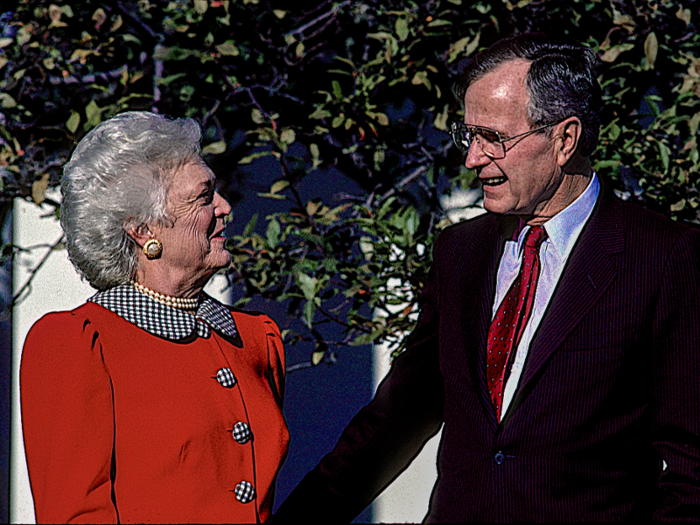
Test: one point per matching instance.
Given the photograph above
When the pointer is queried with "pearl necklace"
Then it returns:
(168, 300)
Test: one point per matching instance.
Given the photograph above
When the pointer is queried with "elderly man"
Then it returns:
(558, 339)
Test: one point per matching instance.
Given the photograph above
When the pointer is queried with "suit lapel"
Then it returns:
(477, 289)
(588, 273)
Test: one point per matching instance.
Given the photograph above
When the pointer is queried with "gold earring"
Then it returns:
(153, 248)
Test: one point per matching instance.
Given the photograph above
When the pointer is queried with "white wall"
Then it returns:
(406, 499)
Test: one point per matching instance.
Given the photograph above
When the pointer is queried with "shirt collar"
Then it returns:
(564, 228)
(165, 321)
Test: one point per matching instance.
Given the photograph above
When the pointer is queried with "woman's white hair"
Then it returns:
(117, 178)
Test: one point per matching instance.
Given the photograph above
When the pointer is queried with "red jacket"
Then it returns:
(123, 426)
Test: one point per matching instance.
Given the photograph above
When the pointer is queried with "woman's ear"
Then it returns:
(140, 234)
(568, 134)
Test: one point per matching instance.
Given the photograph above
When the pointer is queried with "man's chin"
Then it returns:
(497, 206)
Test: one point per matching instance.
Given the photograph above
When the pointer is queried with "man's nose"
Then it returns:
(476, 156)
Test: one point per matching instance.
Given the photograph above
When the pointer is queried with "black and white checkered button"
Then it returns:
(226, 378)
(241, 432)
(245, 493)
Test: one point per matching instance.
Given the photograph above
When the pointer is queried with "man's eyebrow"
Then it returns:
(501, 134)
(207, 187)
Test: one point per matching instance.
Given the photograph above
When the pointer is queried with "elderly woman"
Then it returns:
(152, 402)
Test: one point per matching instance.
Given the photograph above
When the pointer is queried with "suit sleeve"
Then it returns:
(676, 381)
(384, 437)
(67, 418)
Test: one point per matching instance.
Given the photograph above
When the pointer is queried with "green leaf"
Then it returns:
(439, 22)
(309, 309)
(337, 90)
(251, 225)
(421, 77)
(6, 101)
(39, 188)
(382, 119)
(93, 113)
(320, 113)
(228, 48)
(215, 148)
(73, 121)
(651, 48)
(694, 123)
(664, 152)
(401, 28)
(678, 206)
(273, 233)
(684, 14)
(250, 158)
(288, 136)
(614, 131)
(164, 81)
(279, 186)
(307, 285)
(441, 119)
(611, 54)
(605, 164)
(330, 265)
(257, 116)
(317, 357)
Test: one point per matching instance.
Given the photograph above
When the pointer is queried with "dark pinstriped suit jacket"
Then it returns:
(611, 387)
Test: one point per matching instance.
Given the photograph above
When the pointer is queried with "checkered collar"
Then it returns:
(165, 321)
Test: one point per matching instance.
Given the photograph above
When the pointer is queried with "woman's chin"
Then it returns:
(223, 258)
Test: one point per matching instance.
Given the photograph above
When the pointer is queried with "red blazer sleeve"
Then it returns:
(67, 409)
(276, 358)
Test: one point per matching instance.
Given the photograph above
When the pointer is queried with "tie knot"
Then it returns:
(535, 236)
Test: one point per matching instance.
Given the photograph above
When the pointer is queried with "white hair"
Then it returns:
(117, 178)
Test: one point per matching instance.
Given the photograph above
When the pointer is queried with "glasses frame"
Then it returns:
(462, 133)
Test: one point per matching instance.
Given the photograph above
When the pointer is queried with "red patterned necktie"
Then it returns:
(511, 318)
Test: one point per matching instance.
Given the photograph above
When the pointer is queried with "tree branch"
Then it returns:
(33, 272)
(319, 18)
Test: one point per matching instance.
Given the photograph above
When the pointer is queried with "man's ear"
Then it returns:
(568, 135)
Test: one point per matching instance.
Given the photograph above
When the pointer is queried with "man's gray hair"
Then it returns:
(119, 177)
(561, 81)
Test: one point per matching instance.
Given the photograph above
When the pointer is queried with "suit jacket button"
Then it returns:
(241, 432)
(499, 458)
(226, 378)
(245, 493)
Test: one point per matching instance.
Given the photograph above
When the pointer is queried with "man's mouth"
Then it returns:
(494, 181)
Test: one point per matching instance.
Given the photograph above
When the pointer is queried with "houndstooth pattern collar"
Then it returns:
(165, 321)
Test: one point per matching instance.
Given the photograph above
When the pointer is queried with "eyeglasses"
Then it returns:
(490, 140)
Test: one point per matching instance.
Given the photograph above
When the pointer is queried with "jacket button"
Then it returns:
(226, 378)
(499, 458)
(241, 432)
(245, 493)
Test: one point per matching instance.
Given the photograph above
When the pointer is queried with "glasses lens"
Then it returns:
(490, 142)
(460, 136)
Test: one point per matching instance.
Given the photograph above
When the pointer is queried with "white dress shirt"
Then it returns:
(562, 232)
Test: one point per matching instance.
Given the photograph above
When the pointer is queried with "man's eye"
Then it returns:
(488, 135)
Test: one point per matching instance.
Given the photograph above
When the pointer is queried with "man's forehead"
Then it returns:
(499, 96)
